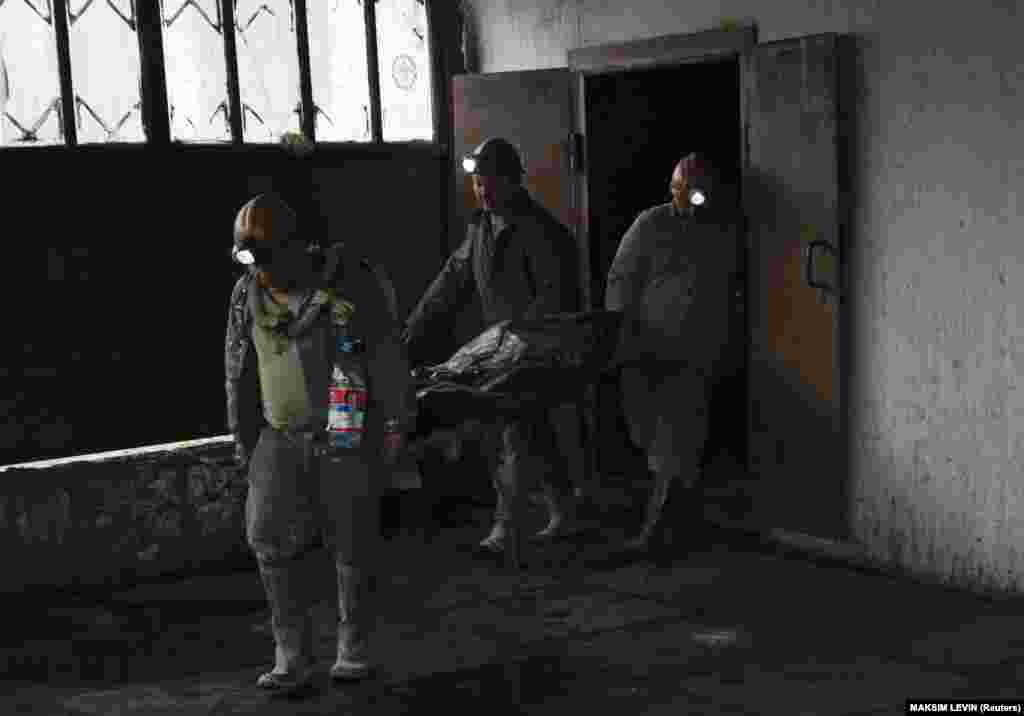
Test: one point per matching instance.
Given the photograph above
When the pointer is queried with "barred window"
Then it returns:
(337, 61)
(30, 109)
(241, 71)
(197, 89)
(268, 69)
(105, 71)
(404, 67)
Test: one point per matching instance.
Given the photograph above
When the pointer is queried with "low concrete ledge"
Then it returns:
(125, 516)
(122, 516)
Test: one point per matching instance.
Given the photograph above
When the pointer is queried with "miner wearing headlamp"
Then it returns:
(672, 279)
(290, 314)
(521, 263)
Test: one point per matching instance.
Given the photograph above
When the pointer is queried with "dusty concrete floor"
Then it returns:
(729, 626)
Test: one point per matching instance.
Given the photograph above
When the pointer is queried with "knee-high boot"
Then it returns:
(684, 506)
(355, 621)
(652, 512)
(291, 623)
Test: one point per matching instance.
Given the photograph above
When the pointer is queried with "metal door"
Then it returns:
(793, 205)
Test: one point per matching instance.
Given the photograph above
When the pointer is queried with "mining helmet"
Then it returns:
(495, 157)
(700, 176)
(264, 224)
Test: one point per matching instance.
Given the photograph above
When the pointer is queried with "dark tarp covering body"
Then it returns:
(518, 365)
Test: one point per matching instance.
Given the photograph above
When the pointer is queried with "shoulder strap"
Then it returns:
(383, 278)
(241, 305)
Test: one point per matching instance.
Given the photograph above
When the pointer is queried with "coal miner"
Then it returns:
(671, 278)
(317, 400)
(521, 262)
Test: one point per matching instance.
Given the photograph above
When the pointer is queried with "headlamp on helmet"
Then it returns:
(254, 254)
(495, 157)
(263, 226)
(249, 255)
(243, 256)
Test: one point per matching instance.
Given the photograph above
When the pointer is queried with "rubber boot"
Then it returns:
(560, 516)
(494, 542)
(292, 626)
(352, 661)
(513, 553)
(518, 502)
(673, 525)
(652, 513)
(513, 504)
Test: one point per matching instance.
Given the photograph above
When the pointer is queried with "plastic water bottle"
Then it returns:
(340, 422)
(346, 420)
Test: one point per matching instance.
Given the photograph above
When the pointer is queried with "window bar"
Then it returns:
(373, 67)
(440, 41)
(440, 21)
(67, 92)
(155, 109)
(227, 27)
(305, 76)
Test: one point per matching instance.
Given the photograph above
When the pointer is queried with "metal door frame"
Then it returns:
(663, 52)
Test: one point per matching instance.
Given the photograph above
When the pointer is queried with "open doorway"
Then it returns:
(638, 124)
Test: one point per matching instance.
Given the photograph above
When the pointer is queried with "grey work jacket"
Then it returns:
(531, 271)
(375, 322)
(673, 277)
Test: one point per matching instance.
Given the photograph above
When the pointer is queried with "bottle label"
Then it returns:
(353, 397)
(340, 418)
(347, 400)
(346, 409)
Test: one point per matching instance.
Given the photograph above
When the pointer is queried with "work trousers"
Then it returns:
(666, 407)
(570, 430)
(299, 499)
(529, 457)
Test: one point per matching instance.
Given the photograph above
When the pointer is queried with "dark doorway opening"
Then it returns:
(639, 123)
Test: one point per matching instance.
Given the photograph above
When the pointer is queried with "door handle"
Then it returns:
(809, 265)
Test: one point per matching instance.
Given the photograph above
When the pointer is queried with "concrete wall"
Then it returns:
(163, 511)
(937, 265)
(87, 524)
(118, 276)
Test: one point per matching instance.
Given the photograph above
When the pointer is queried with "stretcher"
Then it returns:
(516, 366)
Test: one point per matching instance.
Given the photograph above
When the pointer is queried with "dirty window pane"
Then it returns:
(105, 71)
(404, 53)
(196, 79)
(337, 61)
(268, 68)
(29, 79)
